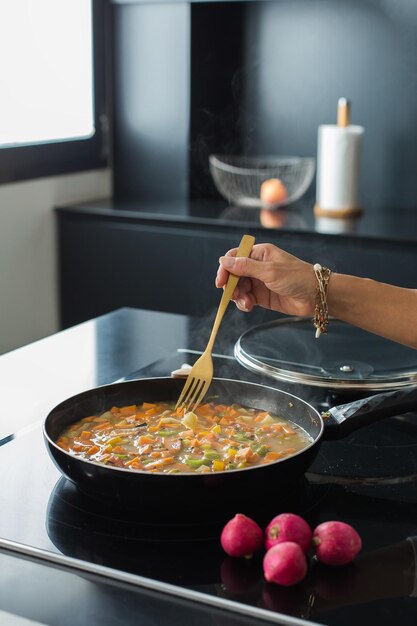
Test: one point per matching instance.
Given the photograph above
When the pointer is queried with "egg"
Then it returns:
(273, 192)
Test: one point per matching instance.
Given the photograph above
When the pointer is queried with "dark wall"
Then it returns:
(303, 55)
(259, 77)
(151, 100)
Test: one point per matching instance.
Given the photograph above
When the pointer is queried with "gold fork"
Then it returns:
(201, 374)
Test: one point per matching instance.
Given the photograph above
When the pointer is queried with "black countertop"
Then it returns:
(395, 224)
(37, 377)
(71, 571)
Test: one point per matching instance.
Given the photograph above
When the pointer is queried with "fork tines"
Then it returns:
(192, 394)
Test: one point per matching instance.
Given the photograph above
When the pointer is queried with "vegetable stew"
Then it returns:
(154, 437)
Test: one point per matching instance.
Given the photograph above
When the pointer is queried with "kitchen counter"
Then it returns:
(62, 561)
(39, 376)
(395, 225)
(164, 256)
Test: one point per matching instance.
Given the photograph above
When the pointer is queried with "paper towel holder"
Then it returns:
(322, 208)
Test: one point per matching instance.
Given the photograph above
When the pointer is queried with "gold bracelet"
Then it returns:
(321, 312)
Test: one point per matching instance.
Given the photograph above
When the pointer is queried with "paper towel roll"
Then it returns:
(338, 161)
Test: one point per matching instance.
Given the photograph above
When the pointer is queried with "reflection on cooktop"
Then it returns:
(82, 527)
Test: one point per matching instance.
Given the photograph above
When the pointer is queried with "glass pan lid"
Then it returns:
(345, 358)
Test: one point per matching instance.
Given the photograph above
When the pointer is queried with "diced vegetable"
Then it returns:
(190, 420)
(197, 462)
(156, 437)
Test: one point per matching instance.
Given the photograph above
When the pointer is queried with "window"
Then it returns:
(52, 100)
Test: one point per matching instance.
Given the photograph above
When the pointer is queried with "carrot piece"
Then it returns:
(205, 434)
(89, 419)
(156, 454)
(134, 460)
(103, 426)
(128, 410)
(160, 463)
(148, 405)
(136, 465)
(145, 439)
(79, 447)
(272, 456)
(93, 450)
(151, 412)
(204, 410)
(146, 448)
(261, 416)
(86, 434)
(278, 427)
(119, 450)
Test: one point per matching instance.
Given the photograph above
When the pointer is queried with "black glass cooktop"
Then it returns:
(368, 479)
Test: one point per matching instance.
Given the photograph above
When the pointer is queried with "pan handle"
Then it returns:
(346, 418)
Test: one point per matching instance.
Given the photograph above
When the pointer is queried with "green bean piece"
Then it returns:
(211, 455)
(262, 450)
(241, 437)
(197, 462)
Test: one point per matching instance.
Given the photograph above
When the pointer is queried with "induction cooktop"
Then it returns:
(368, 479)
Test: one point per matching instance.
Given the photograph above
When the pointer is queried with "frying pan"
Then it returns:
(192, 495)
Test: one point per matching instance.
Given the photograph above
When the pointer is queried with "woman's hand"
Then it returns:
(271, 278)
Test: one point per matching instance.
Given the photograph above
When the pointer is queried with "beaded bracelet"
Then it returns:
(321, 312)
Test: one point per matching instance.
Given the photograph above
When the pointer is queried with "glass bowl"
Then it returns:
(239, 178)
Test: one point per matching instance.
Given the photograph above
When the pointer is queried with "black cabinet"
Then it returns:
(111, 258)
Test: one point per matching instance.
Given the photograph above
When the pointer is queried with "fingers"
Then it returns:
(241, 266)
(246, 302)
(222, 273)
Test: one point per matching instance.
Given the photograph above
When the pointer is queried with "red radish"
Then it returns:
(285, 564)
(241, 536)
(288, 527)
(336, 543)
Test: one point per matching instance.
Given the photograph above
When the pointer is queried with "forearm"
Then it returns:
(377, 307)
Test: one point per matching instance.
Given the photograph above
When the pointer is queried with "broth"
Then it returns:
(154, 437)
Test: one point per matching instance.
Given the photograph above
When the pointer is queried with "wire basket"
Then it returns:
(239, 178)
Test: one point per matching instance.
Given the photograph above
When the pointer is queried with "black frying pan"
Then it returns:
(191, 495)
